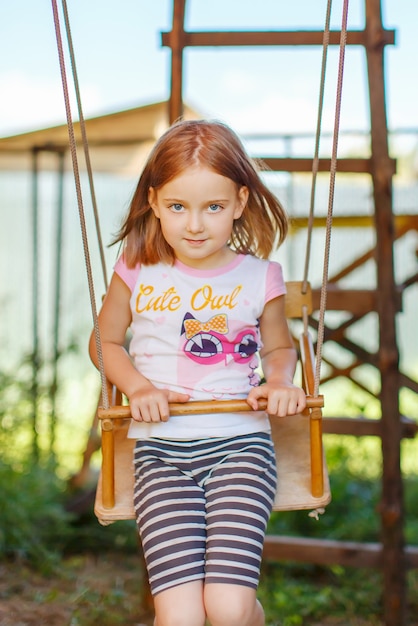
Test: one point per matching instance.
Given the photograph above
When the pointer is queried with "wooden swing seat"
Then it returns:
(302, 474)
(290, 433)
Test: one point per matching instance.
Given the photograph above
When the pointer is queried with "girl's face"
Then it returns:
(196, 211)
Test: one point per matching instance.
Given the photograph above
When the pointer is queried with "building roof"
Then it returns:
(118, 142)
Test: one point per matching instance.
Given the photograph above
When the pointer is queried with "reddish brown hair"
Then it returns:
(263, 223)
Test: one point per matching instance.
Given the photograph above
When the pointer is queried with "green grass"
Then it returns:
(295, 595)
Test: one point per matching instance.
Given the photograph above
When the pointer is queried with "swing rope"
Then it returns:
(333, 169)
(73, 151)
(85, 142)
(315, 162)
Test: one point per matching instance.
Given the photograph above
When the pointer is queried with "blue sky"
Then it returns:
(121, 63)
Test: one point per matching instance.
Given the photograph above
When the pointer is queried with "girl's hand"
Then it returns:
(150, 404)
(282, 399)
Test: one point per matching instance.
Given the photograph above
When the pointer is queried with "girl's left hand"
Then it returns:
(282, 399)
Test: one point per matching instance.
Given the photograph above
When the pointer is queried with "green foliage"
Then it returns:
(38, 526)
(15, 414)
(410, 487)
(38, 521)
(34, 524)
(28, 419)
(298, 595)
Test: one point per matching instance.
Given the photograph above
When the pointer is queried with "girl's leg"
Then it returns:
(180, 606)
(239, 499)
(170, 513)
(232, 605)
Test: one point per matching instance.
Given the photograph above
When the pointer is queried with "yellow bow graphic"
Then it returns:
(218, 323)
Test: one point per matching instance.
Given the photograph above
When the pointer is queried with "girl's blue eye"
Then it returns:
(214, 208)
(176, 208)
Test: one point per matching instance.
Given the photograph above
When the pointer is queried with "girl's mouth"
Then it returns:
(195, 242)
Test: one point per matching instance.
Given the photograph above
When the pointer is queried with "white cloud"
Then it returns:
(30, 103)
(254, 102)
(274, 114)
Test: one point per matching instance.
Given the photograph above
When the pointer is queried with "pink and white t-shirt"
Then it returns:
(197, 332)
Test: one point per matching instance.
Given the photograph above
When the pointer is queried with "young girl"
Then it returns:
(202, 301)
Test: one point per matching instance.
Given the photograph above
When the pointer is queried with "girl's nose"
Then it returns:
(195, 222)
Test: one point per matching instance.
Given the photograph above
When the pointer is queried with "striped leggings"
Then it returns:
(202, 508)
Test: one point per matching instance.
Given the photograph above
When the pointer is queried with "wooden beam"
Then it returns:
(391, 507)
(330, 552)
(347, 166)
(364, 427)
(204, 39)
(403, 223)
(355, 301)
(177, 46)
(408, 382)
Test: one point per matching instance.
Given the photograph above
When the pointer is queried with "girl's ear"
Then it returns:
(152, 199)
(243, 194)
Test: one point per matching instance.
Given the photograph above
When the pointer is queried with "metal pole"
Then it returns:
(56, 303)
(35, 361)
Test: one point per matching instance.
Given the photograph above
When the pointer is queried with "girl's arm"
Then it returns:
(146, 401)
(278, 358)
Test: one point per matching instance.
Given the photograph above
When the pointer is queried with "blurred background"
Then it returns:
(269, 96)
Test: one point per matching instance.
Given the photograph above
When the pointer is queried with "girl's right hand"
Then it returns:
(150, 404)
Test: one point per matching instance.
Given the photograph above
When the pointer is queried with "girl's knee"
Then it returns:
(180, 615)
(180, 606)
(232, 605)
